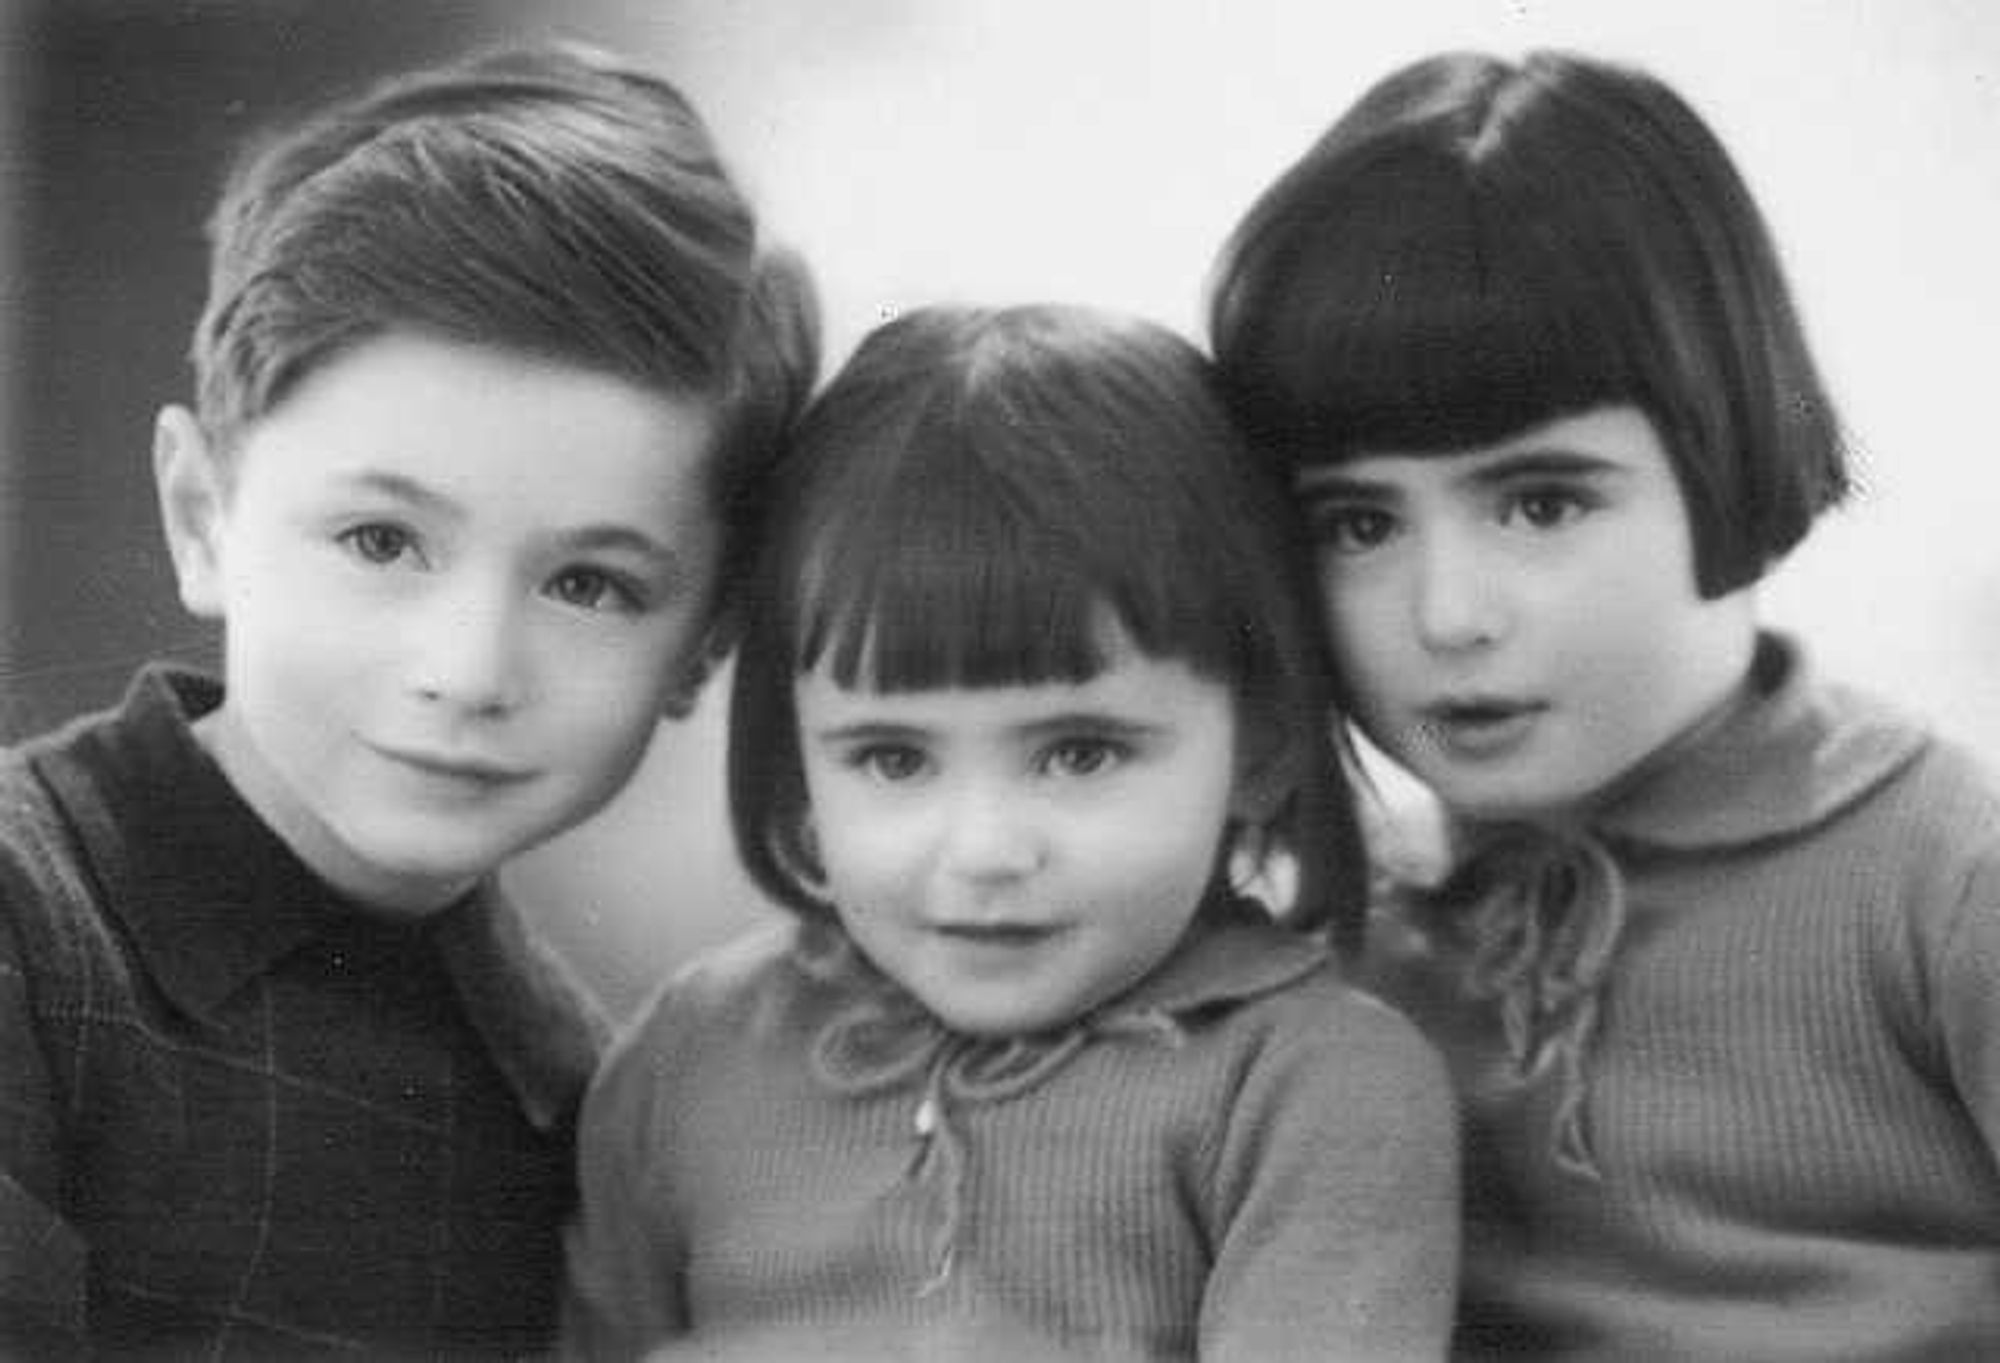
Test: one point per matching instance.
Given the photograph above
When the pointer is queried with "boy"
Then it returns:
(486, 354)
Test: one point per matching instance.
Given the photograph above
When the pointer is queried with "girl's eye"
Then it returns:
(889, 762)
(1352, 528)
(593, 589)
(1082, 756)
(378, 542)
(1546, 508)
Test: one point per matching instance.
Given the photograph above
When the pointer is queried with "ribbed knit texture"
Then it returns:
(1272, 1178)
(1794, 1088)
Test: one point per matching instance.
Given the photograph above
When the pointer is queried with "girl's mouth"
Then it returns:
(996, 934)
(1479, 728)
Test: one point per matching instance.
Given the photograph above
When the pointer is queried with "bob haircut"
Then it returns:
(966, 504)
(547, 200)
(1478, 247)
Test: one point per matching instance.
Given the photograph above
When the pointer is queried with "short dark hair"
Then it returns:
(963, 504)
(549, 200)
(1476, 247)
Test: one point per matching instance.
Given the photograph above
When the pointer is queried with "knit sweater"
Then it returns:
(1789, 1106)
(240, 1118)
(786, 1158)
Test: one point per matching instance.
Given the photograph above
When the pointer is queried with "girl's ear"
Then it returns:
(193, 491)
(1264, 781)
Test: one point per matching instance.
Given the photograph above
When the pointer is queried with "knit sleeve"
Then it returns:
(624, 1249)
(1967, 999)
(1336, 1186)
(42, 1257)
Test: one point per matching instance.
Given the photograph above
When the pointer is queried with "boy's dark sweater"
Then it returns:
(238, 1116)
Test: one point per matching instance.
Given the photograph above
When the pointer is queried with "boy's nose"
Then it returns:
(990, 836)
(1457, 595)
(467, 653)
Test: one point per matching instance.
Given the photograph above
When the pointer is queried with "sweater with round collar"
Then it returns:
(1782, 1137)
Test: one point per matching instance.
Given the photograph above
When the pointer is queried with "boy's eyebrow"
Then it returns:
(611, 537)
(601, 537)
(407, 489)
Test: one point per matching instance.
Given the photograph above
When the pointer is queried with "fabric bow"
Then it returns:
(1534, 916)
(886, 1039)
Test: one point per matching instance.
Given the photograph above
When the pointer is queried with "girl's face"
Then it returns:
(1016, 855)
(1518, 621)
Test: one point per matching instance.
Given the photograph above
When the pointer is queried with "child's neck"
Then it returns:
(380, 891)
(1735, 690)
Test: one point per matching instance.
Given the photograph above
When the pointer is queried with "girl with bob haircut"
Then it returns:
(1030, 691)
(1715, 960)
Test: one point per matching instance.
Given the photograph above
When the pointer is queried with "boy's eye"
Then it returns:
(1352, 528)
(378, 542)
(889, 762)
(1545, 508)
(1082, 756)
(593, 589)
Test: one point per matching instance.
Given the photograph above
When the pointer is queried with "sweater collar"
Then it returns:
(1233, 952)
(212, 898)
(880, 1039)
(1783, 756)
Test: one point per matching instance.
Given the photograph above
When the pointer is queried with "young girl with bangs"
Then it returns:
(1029, 694)
(1716, 963)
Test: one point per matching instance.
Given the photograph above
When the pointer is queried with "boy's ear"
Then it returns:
(193, 491)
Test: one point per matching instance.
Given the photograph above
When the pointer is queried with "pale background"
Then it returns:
(1099, 150)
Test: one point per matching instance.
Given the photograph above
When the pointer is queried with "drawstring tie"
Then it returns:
(886, 1040)
(1535, 915)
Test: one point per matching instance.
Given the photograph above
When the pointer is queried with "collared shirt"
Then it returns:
(1241, 1158)
(1790, 1096)
(239, 1117)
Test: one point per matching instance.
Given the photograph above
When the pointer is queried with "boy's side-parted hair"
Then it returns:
(1479, 246)
(550, 200)
(965, 503)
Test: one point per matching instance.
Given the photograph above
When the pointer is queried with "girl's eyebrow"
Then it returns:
(1096, 722)
(1336, 481)
(1330, 482)
(868, 731)
(1543, 463)
(1069, 721)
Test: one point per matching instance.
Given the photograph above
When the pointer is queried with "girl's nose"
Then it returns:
(1457, 594)
(467, 652)
(991, 835)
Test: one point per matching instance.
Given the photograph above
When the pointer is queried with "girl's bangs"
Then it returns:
(1460, 318)
(930, 580)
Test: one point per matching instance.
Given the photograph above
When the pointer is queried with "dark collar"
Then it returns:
(212, 898)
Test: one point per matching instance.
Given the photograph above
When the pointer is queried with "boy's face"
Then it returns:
(1518, 622)
(1016, 855)
(458, 585)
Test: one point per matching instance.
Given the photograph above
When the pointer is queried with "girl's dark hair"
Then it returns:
(961, 506)
(1477, 247)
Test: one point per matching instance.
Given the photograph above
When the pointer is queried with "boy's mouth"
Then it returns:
(464, 768)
